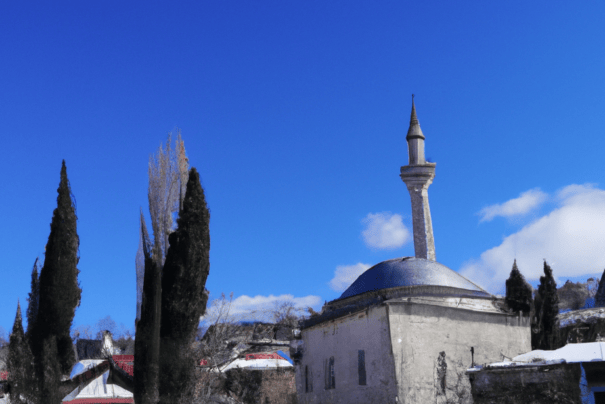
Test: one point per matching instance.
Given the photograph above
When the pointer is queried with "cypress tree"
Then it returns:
(59, 289)
(33, 300)
(183, 299)
(147, 341)
(20, 364)
(547, 308)
(51, 372)
(599, 299)
(518, 291)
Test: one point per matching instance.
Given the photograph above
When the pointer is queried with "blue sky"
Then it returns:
(295, 115)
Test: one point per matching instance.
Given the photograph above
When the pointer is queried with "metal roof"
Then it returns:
(409, 271)
(414, 131)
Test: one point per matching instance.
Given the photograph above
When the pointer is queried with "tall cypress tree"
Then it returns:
(547, 308)
(183, 298)
(51, 372)
(59, 289)
(20, 364)
(147, 341)
(518, 291)
(599, 299)
(33, 300)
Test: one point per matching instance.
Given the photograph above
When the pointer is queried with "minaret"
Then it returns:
(418, 175)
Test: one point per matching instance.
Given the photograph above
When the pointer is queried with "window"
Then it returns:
(329, 371)
(308, 380)
(361, 367)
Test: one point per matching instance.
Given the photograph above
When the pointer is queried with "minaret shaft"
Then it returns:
(418, 184)
(418, 175)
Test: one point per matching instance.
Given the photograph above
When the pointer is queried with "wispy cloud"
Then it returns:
(384, 231)
(525, 203)
(571, 238)
(345, 275)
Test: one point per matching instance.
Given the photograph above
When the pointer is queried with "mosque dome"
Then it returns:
(410, 272)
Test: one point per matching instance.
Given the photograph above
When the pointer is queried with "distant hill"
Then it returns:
(577, 295)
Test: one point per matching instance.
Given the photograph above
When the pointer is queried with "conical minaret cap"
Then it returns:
(414, 132)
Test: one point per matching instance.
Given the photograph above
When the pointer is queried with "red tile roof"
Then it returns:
(125, 362)
(3, 375)
(123, 358)
(263, 356)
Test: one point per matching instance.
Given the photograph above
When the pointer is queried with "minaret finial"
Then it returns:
(414, 131)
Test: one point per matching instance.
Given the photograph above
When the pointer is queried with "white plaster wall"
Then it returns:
(343, 338)
(419, 332)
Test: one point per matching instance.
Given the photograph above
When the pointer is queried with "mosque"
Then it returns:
(407, 329)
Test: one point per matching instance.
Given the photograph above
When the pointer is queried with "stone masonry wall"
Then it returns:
(527, 385)
(342, 339)
(425, 337)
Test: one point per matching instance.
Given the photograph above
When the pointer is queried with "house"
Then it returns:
(102, 381)
(246, 363)
(101, 375)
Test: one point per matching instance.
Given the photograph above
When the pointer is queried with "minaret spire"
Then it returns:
(418, 175)
(414, 132)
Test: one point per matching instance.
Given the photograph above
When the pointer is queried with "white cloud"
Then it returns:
(385, 231)
(260, 307)
(345, 275)
(571, 238)
(526, 202)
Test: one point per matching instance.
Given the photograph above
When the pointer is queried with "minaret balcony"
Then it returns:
(420, 173)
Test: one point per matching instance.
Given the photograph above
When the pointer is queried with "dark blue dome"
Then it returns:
(410, 271)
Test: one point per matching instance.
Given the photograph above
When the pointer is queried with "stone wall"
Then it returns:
(274, 386)
(342, 339)
(544, 384)
(425, 337)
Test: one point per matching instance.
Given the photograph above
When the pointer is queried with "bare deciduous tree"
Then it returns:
(83, 331)
(220, 330)
(3, 337)
(168, 176)
(221, 327)
(165, 194)
(286, 313)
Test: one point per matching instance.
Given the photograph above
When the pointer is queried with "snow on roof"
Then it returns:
(100, 401)
(98, 389)
(257, 364)
(570, 353)
(83, 366)
(581, 316)
(473, 304)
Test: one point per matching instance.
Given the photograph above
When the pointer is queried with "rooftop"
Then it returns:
(410, 271)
